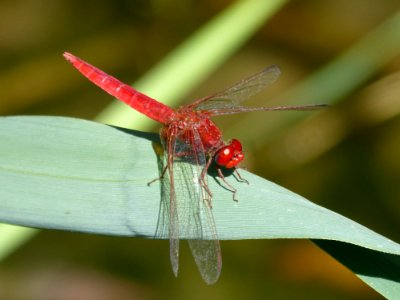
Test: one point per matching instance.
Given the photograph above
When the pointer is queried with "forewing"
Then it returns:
(241, 91)
(193, 205)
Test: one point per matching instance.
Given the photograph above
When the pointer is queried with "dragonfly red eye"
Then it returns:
(230, 155)
(236, 145)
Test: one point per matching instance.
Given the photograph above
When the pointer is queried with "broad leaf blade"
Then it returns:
(71, 174)
(77, 175)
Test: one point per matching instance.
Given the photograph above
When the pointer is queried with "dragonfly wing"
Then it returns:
(193, 205)
(168, 222)
(208, 258)
(241, 91)
(174, 224)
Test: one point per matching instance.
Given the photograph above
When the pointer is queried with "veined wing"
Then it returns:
(189, 205)
(204, 243)
(168, 222)
(239, 92)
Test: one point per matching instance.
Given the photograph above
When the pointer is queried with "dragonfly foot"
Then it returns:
(240, 178)
(229, 187)
(154, 180)
(158, 178)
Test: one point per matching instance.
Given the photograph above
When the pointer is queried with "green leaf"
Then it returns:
(379, 270)
(71, 174)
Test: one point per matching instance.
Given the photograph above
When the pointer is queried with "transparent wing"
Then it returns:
(204, 242)
(241, 91)
(189, 206)
(168, 222)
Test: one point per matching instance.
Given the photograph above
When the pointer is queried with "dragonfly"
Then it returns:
(192, 143)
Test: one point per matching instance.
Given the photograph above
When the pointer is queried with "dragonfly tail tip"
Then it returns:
(68, 56)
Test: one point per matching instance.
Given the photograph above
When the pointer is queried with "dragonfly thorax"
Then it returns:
(192, 127)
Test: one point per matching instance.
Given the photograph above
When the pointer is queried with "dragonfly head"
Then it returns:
(230, 155)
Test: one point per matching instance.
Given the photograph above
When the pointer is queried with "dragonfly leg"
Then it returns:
(208, 199)
(240, 178)
(230, 187)
(158, 178)
(203, 181)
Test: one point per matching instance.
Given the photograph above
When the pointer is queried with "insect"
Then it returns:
(192, 142)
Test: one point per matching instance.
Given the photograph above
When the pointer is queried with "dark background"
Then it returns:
(355, 172)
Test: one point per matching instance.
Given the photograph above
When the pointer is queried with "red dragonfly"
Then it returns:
(192, 142)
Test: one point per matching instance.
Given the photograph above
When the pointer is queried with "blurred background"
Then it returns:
(344, 158)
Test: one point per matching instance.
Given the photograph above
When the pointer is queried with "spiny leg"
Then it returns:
(203, 182)
(230, 187)
(239, 177)
(158, 178)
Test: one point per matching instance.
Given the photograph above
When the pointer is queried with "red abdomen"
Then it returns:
(140, 102)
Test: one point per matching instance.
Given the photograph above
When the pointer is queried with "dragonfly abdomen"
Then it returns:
(142, 103)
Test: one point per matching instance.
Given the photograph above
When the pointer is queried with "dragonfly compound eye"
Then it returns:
(230, 155)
